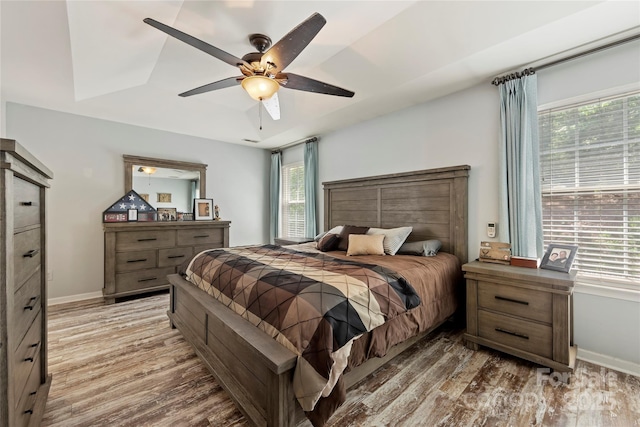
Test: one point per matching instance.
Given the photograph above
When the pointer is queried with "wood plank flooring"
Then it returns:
(122, 365)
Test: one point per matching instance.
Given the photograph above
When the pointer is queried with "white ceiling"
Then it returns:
(98, 59)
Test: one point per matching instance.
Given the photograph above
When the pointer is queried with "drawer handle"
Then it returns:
(511, 300)
(29, 411)
(175, 256)
(31, 253)
(33, 393)
(31, 358)
(26, 204)
(137, 260)
(30, 306)
(150, 239)
(201, 236)
(515, 334)
(147, 280)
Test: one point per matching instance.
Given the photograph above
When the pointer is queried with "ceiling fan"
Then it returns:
(262, 72)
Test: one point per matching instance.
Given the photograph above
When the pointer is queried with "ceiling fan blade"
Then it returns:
(272, 105)
(289, 47)
(197, 43)
(220, 84)
(294, 81)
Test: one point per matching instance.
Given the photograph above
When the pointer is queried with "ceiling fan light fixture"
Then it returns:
(260, 88)
(147, 169)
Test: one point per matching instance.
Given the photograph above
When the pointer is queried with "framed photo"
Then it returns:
(144, 197)
(559, 257)
(132, 214)
(203, 209)
(164, 197)
(167, 214)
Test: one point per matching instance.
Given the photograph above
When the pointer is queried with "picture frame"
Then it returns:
(132, 215)
(203, 209)
(559, 257)
(164, 197)
(167, 214)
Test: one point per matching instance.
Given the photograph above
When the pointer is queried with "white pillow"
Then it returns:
(393, 237)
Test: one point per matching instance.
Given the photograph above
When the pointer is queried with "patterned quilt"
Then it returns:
(314, 304)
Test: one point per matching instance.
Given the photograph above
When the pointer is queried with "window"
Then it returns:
(292, 200)
(590, 172)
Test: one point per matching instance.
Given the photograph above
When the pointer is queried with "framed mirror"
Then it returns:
(165, 184)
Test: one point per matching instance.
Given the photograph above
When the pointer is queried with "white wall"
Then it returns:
(85, 156)
(456, 130)
(463, 128)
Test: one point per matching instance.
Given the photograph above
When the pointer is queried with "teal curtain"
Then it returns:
(310, 187)
(274, 196)
(520, 198)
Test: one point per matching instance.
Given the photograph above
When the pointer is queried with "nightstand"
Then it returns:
(525, 312)
(283, 241)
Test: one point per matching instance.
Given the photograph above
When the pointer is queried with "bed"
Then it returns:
(255, 369)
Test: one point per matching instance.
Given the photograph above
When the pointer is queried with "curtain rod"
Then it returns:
(294, 143)
(532, 70)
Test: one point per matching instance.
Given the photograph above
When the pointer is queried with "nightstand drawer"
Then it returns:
(285, 241)
(135, 240)
(519, 302)
(521, 334)
(138, 260)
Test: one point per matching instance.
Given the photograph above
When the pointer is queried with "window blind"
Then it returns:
(590, 172)
(293, 200)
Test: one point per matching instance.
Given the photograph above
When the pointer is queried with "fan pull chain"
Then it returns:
(260, 112)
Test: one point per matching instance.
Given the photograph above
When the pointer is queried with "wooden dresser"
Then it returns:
(24, 380)
(138, 256)
(522, 311)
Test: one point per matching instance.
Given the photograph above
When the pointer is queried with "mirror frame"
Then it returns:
(131, 161)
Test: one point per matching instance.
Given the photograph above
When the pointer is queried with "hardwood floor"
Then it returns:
(122, 365)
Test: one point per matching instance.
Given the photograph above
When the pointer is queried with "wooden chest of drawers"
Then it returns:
(24, 379)
(525, 312)
(139, 256)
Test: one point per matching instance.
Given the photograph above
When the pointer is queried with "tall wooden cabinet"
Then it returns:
(138, 256)
(24, 380)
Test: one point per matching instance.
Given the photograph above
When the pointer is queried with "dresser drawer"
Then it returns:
(527, 303)
(27, 254)
(27, 304)
(521, 334)
(137, 260)
(142, 279)
(174, 256)
(201, 236)
(26, 203)
(26, 355)
(26, 402)
(135, 240)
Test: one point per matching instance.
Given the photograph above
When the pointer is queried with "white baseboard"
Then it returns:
(74, 298)
(620, 365)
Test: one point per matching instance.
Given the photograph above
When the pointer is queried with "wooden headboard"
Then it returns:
(432, 201)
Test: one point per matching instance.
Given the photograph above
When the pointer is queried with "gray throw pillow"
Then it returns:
(422, 247)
